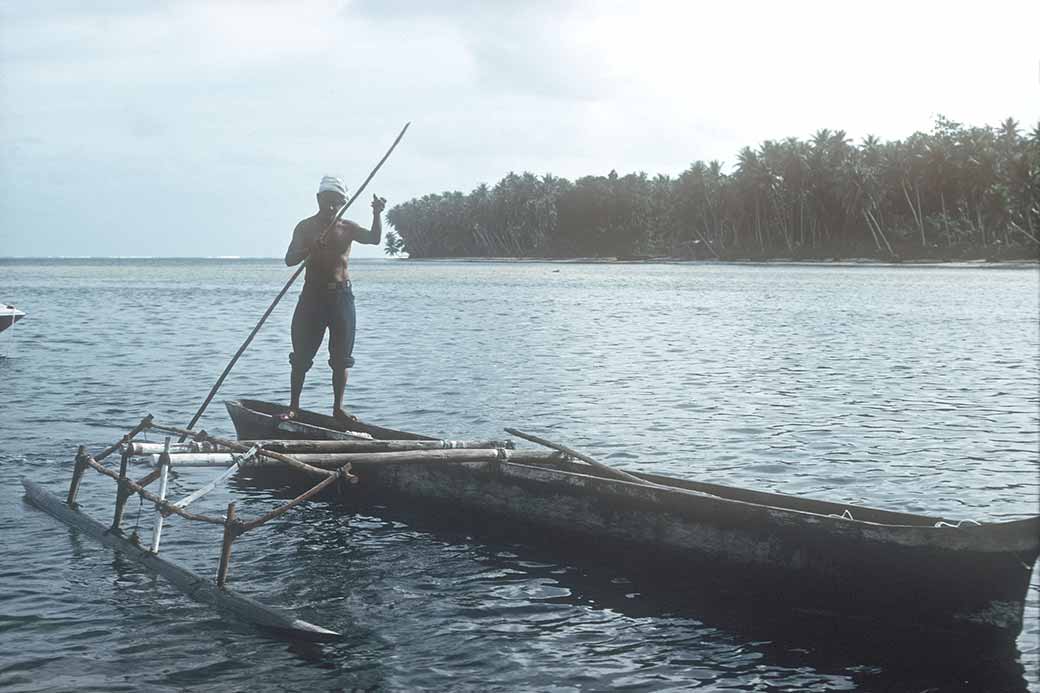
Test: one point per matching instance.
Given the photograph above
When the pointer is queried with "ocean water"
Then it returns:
(910, 388)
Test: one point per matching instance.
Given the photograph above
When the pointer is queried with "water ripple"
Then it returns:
(908, 388)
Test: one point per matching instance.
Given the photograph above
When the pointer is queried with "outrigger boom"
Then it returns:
(194, 586)
(330, 461)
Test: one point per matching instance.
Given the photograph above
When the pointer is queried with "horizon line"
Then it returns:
(161, 257)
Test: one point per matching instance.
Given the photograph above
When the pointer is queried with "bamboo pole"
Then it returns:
(303, 265)
(164, 477)
(606, 469)
(199, 459)
(142, 449)
(202, 436)
(327, 446)
(327, 461)
(314, 446)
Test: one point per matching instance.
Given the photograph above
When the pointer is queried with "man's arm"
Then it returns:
(374, 235)
(300, 246)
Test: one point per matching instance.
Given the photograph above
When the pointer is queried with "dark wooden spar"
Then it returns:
(896, 568)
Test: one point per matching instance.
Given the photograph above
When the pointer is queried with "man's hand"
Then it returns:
(378, 203)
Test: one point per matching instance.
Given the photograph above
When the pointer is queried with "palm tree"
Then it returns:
(971, 186)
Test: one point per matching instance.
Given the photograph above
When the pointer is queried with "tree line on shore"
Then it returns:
(955, 192)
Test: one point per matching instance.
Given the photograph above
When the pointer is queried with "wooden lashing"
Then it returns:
(232, 528)
(77, 476)
(122, 492)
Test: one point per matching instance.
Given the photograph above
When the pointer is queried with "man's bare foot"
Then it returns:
(343, 416)
(288, 415)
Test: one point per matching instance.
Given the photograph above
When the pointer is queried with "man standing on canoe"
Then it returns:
(326, 301)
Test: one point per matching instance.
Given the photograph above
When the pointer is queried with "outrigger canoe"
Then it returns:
(926, 572)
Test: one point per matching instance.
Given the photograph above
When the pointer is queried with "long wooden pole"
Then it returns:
(606, 469)
(164, 480)
(290, 447)
(299, 270)
(335, 460)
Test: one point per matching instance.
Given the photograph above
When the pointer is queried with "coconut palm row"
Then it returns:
(955, 192)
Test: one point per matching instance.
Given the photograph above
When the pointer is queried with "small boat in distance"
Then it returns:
(930, 573)
(9, 315)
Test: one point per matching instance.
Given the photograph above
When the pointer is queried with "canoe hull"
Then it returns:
(816, 562)
(885, 566)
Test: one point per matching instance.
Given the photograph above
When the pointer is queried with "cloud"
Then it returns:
(202, 127)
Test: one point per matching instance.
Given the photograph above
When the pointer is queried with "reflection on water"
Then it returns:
(907, 388)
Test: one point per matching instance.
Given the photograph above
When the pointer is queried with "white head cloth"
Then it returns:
(333, 184)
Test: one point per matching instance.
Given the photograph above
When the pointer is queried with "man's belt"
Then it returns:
(329, 286)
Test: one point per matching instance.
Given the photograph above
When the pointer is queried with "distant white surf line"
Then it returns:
(168, 257)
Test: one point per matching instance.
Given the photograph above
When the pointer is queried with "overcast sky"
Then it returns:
(203, 128)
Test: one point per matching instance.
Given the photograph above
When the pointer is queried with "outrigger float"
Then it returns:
(890, 568)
